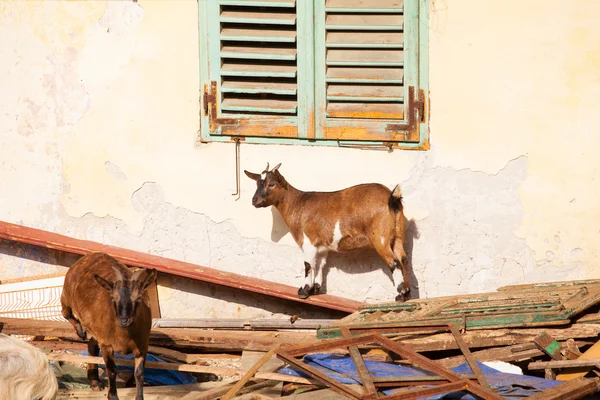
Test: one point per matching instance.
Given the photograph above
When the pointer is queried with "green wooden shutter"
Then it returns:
(366, 66)
(257, 57)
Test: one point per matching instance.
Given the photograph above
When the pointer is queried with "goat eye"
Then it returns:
(271, 185)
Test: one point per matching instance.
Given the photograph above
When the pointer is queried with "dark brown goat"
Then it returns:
(105, 300)
(367, 215)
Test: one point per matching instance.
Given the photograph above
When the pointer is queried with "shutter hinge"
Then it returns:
(210, 108)
(415, 109)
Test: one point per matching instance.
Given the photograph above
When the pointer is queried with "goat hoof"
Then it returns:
(315, 289)
(96, 386)
(304, 292)
(403, 292)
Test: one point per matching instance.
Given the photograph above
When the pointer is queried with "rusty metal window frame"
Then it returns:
(414, 127)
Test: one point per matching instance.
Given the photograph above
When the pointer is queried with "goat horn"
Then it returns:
(267, 169)
(118, 274)
(276, 167)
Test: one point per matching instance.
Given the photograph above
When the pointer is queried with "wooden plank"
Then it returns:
(258, 17)
(258, 70)
(260, 105)
(364, 4)
(361, 367)
(171, 354)
(591, 353)
(365, 40)
(249, 358)
(51, 240)
(387, 22)
(250, 373)
(376, 93)
(154, 303)
(364, 75)
(179, 367)
(504, 353)
(497, 337)
(364, 110)
(548, 345)
(365, 57)
(572, 390)
(258, 35)
(590, 362)
(258, 53)
(197, 338)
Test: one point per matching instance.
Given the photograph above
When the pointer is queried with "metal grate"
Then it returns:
(41, 300)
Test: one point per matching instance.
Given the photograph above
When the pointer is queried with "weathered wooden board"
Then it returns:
(68, 244)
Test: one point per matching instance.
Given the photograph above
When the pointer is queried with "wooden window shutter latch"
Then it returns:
(415, 109)
(210, 108)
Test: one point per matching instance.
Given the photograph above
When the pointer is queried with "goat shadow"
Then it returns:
(358, 261)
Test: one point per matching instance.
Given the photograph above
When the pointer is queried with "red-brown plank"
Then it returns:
(38, 237)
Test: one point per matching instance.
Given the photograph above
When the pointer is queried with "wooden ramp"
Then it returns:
(38, 237)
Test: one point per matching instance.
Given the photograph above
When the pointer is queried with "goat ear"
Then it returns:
(149, 276)
(103, 282)
(251, 175)
(118, 273)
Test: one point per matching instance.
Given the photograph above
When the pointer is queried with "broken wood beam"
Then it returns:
(590, 362)
(51, 240)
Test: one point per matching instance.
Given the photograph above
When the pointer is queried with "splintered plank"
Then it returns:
(38, 237)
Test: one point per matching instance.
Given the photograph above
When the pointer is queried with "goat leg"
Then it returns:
(140, 361)
(92, 369)
(67, 312)
(111, 370)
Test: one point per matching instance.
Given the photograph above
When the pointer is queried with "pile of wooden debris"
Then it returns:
(422, 348)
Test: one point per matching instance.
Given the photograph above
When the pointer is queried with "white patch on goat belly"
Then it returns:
(337, 236)
(383, 240)
(309, 250)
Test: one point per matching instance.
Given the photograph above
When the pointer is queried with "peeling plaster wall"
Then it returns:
(98, 128)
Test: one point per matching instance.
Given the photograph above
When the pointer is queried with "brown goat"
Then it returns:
(105, 300)
(367, 215)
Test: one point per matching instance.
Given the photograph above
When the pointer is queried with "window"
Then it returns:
(333, 72)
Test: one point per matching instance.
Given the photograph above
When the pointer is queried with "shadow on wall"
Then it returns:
(37, 254)
(233, 301)
(358, 261)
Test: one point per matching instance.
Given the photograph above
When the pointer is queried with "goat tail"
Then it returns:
(395, 200)
(396, 207)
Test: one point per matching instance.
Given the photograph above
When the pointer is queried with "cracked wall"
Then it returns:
(99, 119)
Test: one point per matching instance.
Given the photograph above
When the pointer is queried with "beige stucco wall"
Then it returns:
(99, 125)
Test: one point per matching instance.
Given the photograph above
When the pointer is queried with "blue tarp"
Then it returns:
(341, 368)
(154, 376)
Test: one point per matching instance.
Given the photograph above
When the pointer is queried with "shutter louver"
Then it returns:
(258, 54)
(364, 44)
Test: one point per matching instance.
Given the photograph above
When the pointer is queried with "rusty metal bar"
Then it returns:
(415, 113)
(469, 357)
(363, 372)
(330, 344)
(334, 385)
